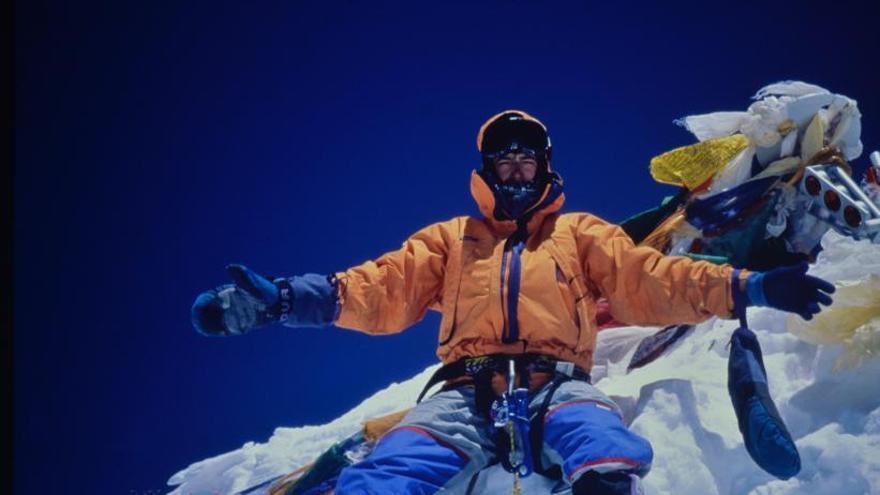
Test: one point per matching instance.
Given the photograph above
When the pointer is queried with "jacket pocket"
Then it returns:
(447, 325)
(567, 295)
(573, 279)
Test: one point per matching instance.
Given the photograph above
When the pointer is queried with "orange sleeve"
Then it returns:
(391, 293)
(645, 287)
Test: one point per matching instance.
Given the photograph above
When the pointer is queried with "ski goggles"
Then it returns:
(513, 149)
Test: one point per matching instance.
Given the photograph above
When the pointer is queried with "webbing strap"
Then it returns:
(536, 431)
(740, 299)
(446, 372)
(473, 366)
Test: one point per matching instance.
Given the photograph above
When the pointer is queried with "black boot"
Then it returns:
(612, 483)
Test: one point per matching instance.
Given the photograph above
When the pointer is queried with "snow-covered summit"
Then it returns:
(827, 394)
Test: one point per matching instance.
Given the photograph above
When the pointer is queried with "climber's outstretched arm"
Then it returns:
(378, 297)
(645, 287)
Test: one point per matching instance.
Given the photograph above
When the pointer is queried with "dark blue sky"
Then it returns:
(156, 142)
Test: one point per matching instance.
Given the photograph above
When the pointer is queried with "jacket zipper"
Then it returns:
(504, 336)
(512, 251)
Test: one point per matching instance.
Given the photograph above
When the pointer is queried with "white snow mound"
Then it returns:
(679, 403)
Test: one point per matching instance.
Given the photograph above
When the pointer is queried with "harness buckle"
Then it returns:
(565, 368)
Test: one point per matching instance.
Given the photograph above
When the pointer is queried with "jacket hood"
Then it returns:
(551, 201)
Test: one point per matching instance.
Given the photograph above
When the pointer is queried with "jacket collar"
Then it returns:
(551, 201)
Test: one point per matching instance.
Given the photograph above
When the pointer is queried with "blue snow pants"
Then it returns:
(443, 442)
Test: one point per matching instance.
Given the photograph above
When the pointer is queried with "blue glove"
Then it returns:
(789, 289)
(235, 309)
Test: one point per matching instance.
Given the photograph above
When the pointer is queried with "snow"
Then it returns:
(678, 402)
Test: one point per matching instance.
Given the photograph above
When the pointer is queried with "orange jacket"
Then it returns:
(462, 268)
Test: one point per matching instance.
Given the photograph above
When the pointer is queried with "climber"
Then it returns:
(517, 287)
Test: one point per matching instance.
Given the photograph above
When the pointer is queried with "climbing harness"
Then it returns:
(519, 438)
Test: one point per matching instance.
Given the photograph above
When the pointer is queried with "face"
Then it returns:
(516, 167)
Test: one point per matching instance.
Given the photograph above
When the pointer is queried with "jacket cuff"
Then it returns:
(755, 290)
(314, 301)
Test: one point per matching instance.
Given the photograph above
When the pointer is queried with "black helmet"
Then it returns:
(514, 131)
